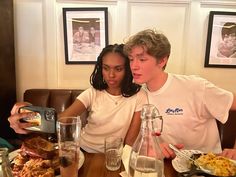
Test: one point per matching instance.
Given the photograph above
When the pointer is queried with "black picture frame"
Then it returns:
(221, 40)
(85, 34)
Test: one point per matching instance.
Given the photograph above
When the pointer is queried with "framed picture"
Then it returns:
(85, 34)
(221, 40)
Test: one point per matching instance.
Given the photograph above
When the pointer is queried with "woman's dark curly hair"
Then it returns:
(128, 88)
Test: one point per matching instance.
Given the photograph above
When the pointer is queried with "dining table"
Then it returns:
(94, 166)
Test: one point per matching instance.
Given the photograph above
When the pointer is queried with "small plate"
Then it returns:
(13, 154)
(181, 164)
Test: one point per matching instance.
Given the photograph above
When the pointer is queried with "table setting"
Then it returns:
(12, 155)
(66, 154)
(94, 165)
(197, 163)
(40, 157)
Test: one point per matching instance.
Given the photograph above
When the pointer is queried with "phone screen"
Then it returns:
(34, 120)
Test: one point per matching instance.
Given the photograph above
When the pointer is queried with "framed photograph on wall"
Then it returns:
(85, 34)
(221, 40)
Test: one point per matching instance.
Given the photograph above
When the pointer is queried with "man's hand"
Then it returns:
(167, 152)
(229, 153)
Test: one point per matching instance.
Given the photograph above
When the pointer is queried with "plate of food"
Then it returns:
(181, 164)
(37, 156)
(204, 163)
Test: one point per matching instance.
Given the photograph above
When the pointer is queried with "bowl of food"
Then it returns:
(206, 164)
(37, 157)
(216, 165)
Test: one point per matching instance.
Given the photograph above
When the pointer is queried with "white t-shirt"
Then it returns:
(189, 106)
(108, 115)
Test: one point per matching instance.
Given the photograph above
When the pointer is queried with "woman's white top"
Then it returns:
(108, 115)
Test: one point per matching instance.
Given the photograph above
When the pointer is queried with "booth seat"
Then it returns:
(228, 131)
(60, 99)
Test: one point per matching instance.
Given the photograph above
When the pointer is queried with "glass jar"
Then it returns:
(146, 158)
(5, 168)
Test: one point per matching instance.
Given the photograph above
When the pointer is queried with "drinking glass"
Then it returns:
(113, 152)
(68, 131)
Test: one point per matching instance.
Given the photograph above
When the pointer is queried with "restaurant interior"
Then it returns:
(33, 52)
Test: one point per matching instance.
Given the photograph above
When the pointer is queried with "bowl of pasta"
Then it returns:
(215, 165)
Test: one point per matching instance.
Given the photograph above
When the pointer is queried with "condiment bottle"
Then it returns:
(146, 158)
(5, 168)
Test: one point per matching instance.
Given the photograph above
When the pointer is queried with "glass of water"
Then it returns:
(68, 131)
(113, 152)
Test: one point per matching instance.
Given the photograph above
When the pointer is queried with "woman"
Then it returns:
(114, 102)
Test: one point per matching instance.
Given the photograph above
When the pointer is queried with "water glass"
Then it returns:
(68, 131)
(113, 152)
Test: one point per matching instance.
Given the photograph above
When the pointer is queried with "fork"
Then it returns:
(180, 152)
(191, 159)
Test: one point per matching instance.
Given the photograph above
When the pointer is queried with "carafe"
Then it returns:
(146, 158)
(5, 168)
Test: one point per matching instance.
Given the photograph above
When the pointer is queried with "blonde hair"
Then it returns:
(153, 42)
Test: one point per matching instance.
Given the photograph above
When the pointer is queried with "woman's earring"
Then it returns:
(104, 81)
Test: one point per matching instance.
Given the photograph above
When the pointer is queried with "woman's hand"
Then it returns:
(229, 153)
(15, 117)
(167, 152)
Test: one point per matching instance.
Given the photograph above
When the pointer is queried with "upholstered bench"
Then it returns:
(228, 131)
(60, 99)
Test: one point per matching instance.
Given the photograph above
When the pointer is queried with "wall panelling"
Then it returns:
(40, 41)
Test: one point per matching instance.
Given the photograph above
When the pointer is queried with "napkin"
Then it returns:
(125, 159)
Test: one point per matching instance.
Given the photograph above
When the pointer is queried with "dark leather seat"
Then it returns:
(60, 99)
(228, 131)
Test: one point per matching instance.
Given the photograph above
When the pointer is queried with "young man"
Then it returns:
(189, 105)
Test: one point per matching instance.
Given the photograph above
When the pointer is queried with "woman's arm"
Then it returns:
(76, 109)
(133, 129)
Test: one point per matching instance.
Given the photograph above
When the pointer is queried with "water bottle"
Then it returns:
(146, 158)
(5, 168)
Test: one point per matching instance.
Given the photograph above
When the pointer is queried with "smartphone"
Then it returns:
(43, 121)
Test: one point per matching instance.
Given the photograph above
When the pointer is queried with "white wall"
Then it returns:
(39, 40)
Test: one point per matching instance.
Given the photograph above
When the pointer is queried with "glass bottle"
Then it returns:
(5, 168)
(146, 158)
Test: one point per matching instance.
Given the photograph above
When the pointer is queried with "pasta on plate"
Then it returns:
(218, 165)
